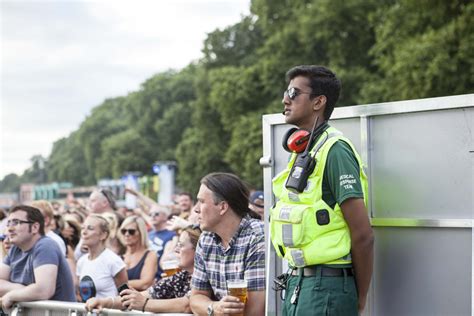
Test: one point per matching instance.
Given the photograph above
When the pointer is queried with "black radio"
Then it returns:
(300, 172)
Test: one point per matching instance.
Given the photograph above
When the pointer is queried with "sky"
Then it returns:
(61, 58)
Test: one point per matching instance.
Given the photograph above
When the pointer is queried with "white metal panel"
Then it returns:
(445, 125)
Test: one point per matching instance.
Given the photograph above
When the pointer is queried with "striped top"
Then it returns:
(243, 258)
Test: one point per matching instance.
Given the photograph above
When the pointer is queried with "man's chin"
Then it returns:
(289, 120)
(202, 226)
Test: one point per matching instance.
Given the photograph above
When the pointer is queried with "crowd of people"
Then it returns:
(108, 257)
(120, 259)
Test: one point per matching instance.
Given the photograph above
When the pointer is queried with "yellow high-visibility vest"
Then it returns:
(295, 232)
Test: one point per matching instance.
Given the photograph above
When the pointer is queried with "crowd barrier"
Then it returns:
(57, 308)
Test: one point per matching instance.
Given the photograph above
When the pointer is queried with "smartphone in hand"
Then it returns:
(122, 287)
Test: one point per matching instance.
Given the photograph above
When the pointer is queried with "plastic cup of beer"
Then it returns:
(238, 288)
(170, 267)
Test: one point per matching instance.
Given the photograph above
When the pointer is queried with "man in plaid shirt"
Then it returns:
(232, 246)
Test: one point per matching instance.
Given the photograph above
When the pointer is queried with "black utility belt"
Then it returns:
(323, 271)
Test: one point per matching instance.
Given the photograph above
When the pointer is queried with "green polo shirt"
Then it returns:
(341, 179)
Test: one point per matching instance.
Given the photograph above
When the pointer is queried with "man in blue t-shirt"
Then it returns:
(34, 269)
(159, 235)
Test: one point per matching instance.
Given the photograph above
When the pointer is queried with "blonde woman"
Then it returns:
(100, 271)
(168, 295)
(114, 243)
(141, 262)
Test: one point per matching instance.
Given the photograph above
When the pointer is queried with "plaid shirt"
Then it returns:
(243, 258)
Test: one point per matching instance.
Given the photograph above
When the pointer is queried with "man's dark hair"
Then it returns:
(228, 187)
(322, 82)
(187, 194)
(3, 214)
(110, 198)
(32, 215)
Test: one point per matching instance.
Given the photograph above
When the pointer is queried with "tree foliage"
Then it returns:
(422, 49)
(67, 161)
(10, 183)
(208, 116)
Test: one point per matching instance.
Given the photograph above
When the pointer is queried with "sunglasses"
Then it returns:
(131, 231)
(292, 93)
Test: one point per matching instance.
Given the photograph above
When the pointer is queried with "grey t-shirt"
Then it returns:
(45, 251)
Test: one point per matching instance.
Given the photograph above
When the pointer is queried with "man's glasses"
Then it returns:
(131, 231)
(155, 214)
(15, 222)
(292, 93)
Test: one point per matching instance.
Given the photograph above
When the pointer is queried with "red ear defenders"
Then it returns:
(295, 140)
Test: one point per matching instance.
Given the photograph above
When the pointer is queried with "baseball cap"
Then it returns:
(257, 195)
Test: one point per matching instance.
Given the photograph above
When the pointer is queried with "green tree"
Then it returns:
(423, 49)
(170, 129)
(235, 45)
(332, 33)
(66, 163)
(10, 183)
(37, 172)
(245, 149)
(204, 143)
(123, 151)
(199, 153)
(107, 119)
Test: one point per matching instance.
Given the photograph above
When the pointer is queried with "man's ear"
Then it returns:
(35, 227)
(223, 207)
(319, 102)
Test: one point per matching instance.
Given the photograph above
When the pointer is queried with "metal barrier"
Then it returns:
(57, 308)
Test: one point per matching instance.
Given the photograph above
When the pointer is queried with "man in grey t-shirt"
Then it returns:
(34, 268)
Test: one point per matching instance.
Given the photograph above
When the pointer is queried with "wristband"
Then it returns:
(146, 301)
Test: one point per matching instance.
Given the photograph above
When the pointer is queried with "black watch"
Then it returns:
(210, 310)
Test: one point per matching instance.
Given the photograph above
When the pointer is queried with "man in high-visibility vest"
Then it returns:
(320, 222)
